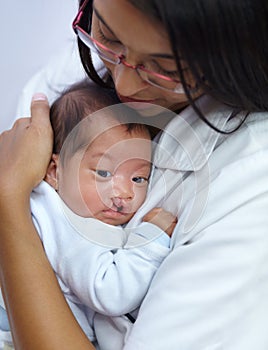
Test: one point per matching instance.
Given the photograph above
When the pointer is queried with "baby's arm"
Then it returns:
(114, 281)
(161, 218)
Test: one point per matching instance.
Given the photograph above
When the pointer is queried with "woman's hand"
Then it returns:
(25, 151)
(38, 313)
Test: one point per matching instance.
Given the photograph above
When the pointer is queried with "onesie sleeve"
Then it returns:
(114, 281)
(101, 266)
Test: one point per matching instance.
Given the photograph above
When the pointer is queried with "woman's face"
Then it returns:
(120, 26)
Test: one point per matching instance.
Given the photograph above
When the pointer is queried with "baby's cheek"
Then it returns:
(140, 197)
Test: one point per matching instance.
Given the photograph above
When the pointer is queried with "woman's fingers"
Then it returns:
(40, 123)
(25, 150)
(40, 110)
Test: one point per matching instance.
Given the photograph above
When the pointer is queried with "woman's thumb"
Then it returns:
(40, 110)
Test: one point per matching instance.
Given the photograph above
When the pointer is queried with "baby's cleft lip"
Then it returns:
(112, 213)
(119, 208)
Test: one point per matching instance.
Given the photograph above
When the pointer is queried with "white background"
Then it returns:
(31, 31)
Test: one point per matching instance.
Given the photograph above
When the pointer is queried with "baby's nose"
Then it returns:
(122, 190)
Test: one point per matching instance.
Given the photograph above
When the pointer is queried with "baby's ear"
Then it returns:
(51, 175)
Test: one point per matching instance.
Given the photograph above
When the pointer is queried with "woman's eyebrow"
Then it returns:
(101, 19)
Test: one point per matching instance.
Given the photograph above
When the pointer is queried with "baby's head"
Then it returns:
(75, 104)
(102, 169)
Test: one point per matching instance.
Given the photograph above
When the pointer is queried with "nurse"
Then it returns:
(207, 62)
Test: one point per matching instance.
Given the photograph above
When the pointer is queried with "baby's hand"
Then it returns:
(161, 218)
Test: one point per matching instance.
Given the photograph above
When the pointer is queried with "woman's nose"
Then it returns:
(122, 76)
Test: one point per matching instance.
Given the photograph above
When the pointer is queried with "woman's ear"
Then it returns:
(52, 174)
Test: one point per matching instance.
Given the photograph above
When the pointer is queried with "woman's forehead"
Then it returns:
(133, 28)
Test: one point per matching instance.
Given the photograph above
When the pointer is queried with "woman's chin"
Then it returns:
(146, 109)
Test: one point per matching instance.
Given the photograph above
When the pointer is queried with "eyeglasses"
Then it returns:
(150, 76)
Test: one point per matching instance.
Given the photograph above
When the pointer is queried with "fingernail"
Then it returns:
(39, 96)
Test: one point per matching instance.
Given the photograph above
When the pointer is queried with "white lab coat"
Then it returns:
(211, 292)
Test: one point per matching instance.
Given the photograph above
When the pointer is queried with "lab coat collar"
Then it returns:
(187, 142)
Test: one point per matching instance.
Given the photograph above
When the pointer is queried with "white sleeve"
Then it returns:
(61, 71)
(112, 282)
(211, 293)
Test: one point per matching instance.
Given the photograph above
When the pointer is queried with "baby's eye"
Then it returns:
(139, 179)
(103, 173)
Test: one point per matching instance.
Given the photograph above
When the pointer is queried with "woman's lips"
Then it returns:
(136, 104)
(128, 99)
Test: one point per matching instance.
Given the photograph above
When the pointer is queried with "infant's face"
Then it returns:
(109, 180)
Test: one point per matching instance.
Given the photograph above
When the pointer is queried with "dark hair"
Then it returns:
(224, 43)
(78, 102)
(73, 105)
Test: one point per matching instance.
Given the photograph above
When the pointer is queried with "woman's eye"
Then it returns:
(103, 173)
(106, 39)
(156, 67)
(139, 179)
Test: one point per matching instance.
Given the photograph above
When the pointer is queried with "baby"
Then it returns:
(96, 181)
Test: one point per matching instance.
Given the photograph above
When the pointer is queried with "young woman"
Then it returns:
(207, 61)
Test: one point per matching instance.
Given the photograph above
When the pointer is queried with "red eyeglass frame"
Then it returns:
(121, 57)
